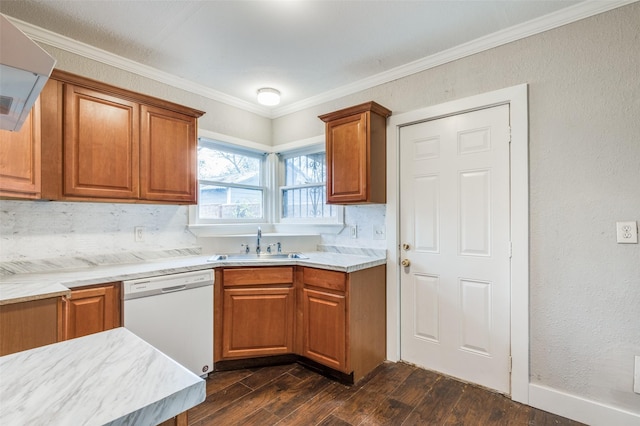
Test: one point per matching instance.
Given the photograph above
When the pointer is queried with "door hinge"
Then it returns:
(509, 133)
(510, 249)
(510, 364)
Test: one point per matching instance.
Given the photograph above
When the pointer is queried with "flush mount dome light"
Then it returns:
(268, 96)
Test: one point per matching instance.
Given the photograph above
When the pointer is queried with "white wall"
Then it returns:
(584, 106)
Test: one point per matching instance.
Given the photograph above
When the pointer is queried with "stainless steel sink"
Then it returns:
(256, 257)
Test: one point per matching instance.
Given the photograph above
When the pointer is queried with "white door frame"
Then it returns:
(516, 97)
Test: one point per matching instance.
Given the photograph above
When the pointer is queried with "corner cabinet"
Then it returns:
(356, 154)
(332, 321)
(344, 319)
(20, 159)
(103, 143)
(91, 310)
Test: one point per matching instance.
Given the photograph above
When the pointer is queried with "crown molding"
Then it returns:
(565, 16)
(59, 41)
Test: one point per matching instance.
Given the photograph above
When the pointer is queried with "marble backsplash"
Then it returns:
(366, 219)
(45, 230)
(38, 236)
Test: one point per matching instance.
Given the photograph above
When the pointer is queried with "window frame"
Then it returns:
(284, 155)
(273, 175)
(264, 184)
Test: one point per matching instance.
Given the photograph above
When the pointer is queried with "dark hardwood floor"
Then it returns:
(393, 394)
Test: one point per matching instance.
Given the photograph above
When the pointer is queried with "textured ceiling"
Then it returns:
(302, 48)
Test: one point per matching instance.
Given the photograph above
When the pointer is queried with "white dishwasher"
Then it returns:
(174, 313)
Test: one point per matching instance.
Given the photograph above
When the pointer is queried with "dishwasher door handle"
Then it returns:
(172, 289)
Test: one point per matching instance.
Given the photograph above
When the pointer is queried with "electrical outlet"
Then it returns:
(353, 231)
(636, 376)
(138, 234)
(627, 232)
(378, 232)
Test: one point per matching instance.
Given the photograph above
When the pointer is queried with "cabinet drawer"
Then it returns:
(332, 280)
(258, 276)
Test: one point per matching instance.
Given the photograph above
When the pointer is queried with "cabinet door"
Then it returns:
(257, 322)
(101, 145)
(28, 325)
(325, 328)
(168, 156)
(91, 310)
(347, 159)
(20, 158)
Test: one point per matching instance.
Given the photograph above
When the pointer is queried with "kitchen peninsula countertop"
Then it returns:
(112, 377)
(33, 286)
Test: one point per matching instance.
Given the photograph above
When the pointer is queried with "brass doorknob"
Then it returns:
(405, 262)
(406, 247)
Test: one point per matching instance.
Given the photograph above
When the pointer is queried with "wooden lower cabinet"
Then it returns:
(344, 319)
(28, 325)
(91, 310)
(255, 312)
(179, 420)
(334, 319)
(324, 329)
(258, 321)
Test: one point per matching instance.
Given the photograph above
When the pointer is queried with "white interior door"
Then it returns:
(455, 232)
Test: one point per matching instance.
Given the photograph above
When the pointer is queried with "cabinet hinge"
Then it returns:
(510, 249)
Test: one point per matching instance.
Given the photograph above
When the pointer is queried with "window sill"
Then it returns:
(268, 229)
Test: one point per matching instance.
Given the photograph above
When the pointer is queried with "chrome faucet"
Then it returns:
(258, 240)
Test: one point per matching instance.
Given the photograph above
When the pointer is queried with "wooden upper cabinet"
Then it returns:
(101, 144)
(20, 158)
(104, 143)
(168, 156)
(356, 154)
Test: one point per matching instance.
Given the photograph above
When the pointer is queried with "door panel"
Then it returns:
(101, 143)
(454, 220)
(168, 156)
(324, 332)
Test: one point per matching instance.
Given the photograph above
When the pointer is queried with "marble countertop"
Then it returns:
(113, 377)
(32, 286)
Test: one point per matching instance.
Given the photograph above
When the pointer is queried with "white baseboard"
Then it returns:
(579, 409)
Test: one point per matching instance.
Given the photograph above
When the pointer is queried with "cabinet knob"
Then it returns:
(406, 247)
(405, 262)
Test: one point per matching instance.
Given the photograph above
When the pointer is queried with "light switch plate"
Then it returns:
(379, 232)
(627, 232)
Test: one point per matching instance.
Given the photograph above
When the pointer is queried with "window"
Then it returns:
(304, 194)
(231, 184)
(241, 187)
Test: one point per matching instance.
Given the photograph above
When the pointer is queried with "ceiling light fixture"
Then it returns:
(268, 96)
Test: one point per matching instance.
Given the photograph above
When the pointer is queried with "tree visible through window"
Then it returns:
(230, 184)
(304, 193)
